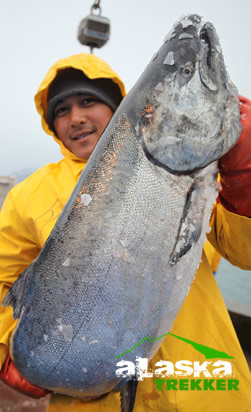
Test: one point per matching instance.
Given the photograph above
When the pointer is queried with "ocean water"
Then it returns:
(235, 286)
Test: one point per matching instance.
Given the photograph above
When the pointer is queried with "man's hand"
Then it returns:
(235, 168)
(10, 375)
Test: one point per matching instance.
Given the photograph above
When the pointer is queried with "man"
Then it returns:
(76, 100)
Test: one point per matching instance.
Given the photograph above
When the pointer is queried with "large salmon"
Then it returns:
(123, 253)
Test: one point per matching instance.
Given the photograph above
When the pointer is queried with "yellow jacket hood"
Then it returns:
(92, 66)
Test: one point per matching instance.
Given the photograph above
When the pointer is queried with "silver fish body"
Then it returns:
(123, 253)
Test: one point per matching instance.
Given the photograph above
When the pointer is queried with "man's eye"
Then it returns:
(60, 110)
(87, 101)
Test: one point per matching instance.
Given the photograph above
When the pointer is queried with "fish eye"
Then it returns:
(187, 70)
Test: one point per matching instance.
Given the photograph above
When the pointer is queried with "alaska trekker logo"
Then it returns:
(209, 374)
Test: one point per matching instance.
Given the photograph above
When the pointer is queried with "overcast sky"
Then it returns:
(36, 33)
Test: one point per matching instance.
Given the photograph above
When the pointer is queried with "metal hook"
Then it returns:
(96, 6)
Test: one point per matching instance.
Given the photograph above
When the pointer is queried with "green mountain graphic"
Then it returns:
(208, 352)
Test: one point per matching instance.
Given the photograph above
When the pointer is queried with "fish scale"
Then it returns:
(124, 252)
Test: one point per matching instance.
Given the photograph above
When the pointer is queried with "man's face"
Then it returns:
(79, 122)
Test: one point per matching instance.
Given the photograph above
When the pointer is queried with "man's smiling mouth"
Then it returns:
(82, 135)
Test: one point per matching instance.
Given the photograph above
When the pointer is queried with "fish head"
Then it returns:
(191, 115)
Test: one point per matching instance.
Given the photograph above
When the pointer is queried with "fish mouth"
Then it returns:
(208, 67)
(205, 38)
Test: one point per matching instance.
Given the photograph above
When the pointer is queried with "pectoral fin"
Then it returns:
(15, 297)
(128, 395)
(190, 226)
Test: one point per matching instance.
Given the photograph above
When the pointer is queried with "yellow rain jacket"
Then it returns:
(27, 218)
